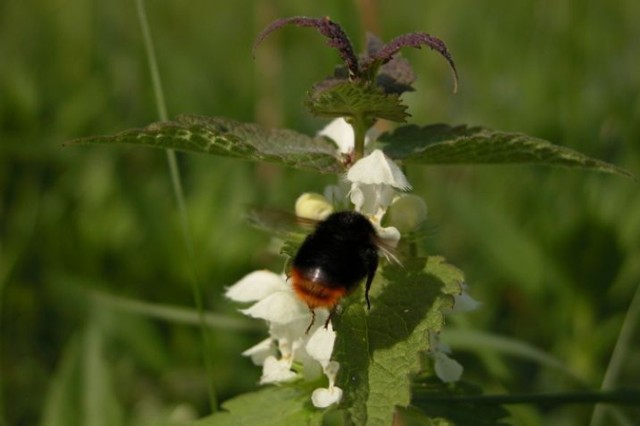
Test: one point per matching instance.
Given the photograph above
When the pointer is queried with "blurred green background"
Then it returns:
(553, 254)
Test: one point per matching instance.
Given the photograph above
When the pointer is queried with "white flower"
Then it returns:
(314, 206)
(280, 307)
(320, 345)
(446, 368)
(261, 351)
(256, 286)
(375, 180)
(289, 342)
(323, 397)
(390, 234)
(277, 371)
(341, 132)
(463, 302)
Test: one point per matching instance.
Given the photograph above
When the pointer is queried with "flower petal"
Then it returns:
(256, 286)
(464, 302)
(371, 199)
(320, 345)
(281, 307)
(447, 369)
(277, 371)
(331, 371)
(341, 133)
(377, 168)
(323, 397)
(390, 234)
(261, 351)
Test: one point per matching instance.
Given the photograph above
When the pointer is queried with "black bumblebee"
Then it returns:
(334, 259)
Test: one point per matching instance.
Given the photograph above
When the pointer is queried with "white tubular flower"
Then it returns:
(446, 368)
(320, 345)
(261, 351)
(341, 133)
(375, 180)
(256, 286)
(390, 235)
(464, 302)
(324, 397)
(288, 343)
(277, 371)
(311, 205)
(280, 307)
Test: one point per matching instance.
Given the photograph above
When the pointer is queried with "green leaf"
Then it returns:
(83, 391)
(271, 406)
(378, 352)
(61, 402)
(344, 98)
(225, 137)
(444, 144)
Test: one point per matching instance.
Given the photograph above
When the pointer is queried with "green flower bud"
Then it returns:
(407, 212)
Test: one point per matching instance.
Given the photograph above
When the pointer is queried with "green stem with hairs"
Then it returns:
(359, 131)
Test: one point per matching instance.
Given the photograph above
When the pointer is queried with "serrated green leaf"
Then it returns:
(444, 144)
(271, 406)
(344, 98)
(379, 351)
(225, 137)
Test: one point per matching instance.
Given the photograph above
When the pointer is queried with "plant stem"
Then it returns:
(359, 131)
(620, 351)
(174, 314)
(621, 397)
(179, 195)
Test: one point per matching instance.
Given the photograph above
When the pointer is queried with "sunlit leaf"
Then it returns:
(379, 351)
(271, 406)
(444, 144)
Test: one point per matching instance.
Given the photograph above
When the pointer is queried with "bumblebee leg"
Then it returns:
(313, 319)
(372, 261)
(331, 312)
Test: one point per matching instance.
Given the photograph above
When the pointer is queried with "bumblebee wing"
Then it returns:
(281, 223)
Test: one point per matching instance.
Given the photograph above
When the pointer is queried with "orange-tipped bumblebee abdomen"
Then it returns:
(314, 291)
(334, 259)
